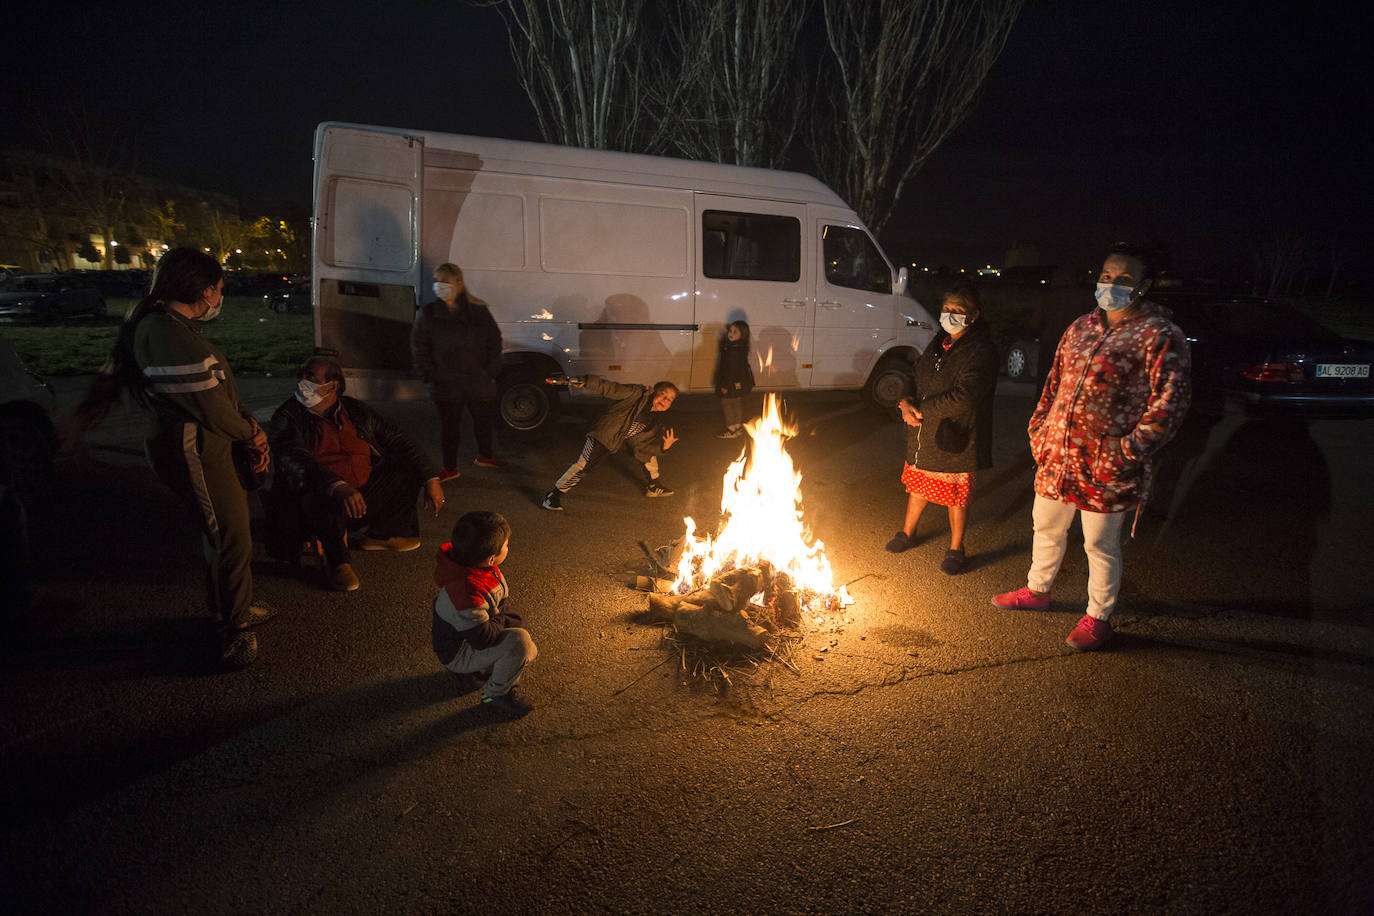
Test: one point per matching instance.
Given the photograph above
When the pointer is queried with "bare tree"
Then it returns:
(579, 61)
(1279, 260)
(729, 90)
(92, 170)
(163, 216)
(902, 75)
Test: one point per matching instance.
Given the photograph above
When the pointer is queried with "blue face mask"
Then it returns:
(1113, 297)
(308, 392)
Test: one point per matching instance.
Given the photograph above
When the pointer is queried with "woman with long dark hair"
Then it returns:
(186, 385)
(456, 347)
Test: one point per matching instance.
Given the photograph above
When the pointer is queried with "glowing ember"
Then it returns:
(762, 524)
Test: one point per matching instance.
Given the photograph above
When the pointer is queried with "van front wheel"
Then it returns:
(526, 403)
(889, 383)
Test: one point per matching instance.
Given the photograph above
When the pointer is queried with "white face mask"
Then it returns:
(308, 392)
(1113, 297)
(953, 323)
(443, 290)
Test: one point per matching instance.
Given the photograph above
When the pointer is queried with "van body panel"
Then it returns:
(623, 265)
(754, 267)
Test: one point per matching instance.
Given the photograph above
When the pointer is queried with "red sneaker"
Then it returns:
(489, 463)
(1021, 600)
(1090, 633)
(448, 474)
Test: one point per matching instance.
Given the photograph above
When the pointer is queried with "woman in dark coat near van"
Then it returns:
(949, 422)
(456, 346)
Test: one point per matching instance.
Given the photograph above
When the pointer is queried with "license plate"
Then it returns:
(1334, 370)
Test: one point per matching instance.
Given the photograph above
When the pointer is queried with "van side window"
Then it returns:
(750, 246)
(852, 260)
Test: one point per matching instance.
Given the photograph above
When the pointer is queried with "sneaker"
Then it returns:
(553, 501)
(258, 614)
(448, 474)
(1021, 600)
(240, 650)
(734, 432)
(654, 491)
(342, 578)
(507, 704)
(400, 545)
(489, 463)
(1090, 633)
(900, 541)
(953, 563)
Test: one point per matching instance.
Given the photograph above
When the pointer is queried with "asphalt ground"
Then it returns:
(921, 752)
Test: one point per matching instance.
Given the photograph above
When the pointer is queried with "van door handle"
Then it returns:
(829, 304)
(794, 303)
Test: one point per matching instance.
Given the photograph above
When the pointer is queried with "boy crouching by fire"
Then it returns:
(475, 628)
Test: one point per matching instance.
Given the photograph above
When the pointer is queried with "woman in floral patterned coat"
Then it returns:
(1117, 392)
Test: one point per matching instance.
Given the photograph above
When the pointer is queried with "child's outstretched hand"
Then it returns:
(668, 438)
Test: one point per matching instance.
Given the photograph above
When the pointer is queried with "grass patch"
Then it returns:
(254, 339)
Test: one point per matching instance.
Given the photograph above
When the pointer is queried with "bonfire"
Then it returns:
(763, 569)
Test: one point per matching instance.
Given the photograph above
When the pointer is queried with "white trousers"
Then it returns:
(1101, 542)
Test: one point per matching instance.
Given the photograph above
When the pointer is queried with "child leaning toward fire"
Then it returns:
(635, 419)
(475, 628)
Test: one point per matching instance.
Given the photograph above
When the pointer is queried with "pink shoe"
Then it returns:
(1090, 633)
(1021, 600)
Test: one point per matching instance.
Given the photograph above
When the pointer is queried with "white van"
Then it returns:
(623, 265)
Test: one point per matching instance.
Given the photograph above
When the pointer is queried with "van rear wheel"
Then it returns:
(527, 403)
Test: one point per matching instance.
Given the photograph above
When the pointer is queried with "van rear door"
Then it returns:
(366, 251)
(752, 266)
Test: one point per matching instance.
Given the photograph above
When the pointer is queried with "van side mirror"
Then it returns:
(901, 281)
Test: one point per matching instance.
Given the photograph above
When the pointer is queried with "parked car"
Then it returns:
(48, 297)
(116, 284)
(294, 299)
(255, 283)
(1021, 360)
(1253, 355)
(27, 448)
(27, 437)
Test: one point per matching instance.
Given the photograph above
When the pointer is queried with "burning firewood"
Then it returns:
(762, 568)
(712, 625)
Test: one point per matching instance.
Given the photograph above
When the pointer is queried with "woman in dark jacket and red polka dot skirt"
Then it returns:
(949, 422)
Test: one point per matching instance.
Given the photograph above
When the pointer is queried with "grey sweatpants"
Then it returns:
(507, 660)
(591, 455)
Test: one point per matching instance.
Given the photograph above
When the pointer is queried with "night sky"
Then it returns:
(1210, 126)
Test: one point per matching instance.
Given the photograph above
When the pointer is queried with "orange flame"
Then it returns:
(762, 505)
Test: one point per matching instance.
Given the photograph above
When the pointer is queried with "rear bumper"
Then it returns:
(1302, 405)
